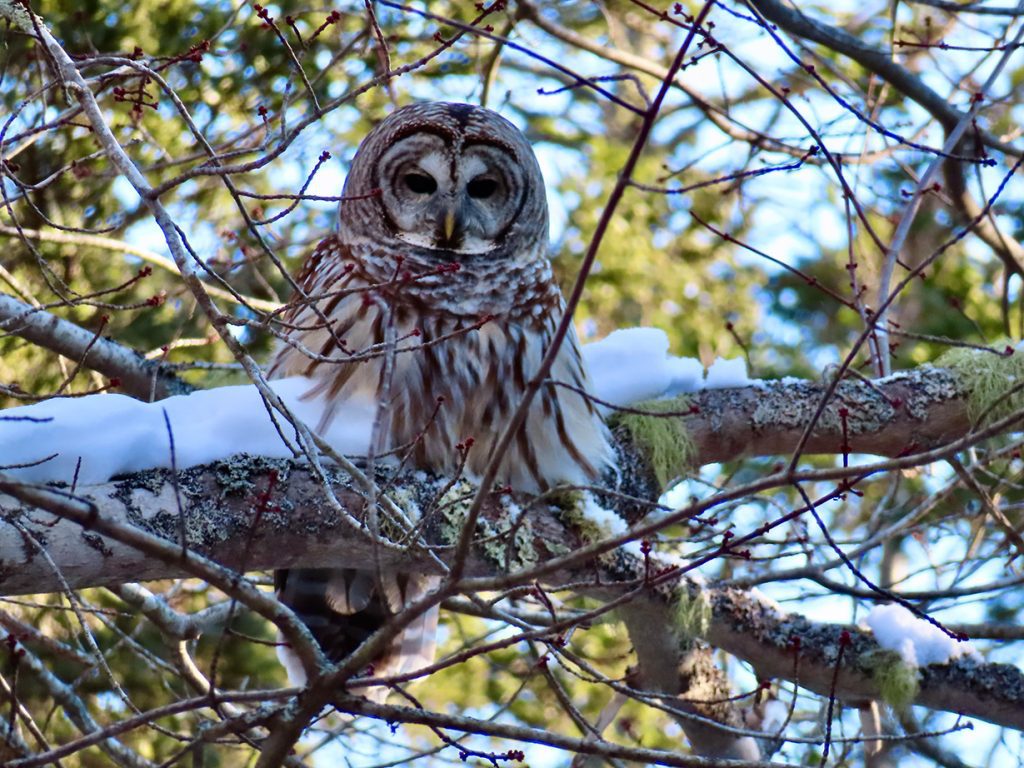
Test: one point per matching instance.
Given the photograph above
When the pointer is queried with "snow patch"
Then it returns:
(918, 642)
(686, 375)
(727, 373)
(116, 434)
(629, 365)
(633, 364)
(605, 519)
(99, 436)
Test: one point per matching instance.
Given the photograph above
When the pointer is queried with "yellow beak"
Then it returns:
(449, 224)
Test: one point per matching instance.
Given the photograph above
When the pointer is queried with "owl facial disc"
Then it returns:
(450, 193)
(439, 182)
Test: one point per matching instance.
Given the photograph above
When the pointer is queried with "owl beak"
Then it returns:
(449, 224)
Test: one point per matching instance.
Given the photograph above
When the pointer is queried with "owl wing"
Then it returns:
(344, 606)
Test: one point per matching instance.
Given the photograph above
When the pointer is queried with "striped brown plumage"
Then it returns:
(440, 256)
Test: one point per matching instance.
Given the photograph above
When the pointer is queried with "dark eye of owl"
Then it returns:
(481, 188)
(420, 183)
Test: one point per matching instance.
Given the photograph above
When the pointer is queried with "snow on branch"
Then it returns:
(776, 644)
(724, 415)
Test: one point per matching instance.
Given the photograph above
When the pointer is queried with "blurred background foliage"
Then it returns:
(660, 264)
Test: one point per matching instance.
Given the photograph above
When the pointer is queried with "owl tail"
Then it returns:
(342, 607)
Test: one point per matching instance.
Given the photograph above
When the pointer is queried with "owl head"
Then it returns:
(454, 182)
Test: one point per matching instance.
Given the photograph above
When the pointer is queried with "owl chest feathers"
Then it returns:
(447, 358)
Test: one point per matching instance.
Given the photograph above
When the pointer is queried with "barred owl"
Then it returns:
(440, 250)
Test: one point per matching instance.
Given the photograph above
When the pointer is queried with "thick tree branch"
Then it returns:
(684, 668)
(750, 629)
(908, 411)
(275, 504)
(99, 530)
(234, 511)
(248, 513)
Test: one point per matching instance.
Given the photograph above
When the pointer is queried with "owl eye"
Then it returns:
(420, 183)
(481, 188)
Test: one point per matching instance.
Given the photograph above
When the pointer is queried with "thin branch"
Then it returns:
(135, 374)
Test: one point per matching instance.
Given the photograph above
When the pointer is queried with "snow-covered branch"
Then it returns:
(722, 414)
(776, 644)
